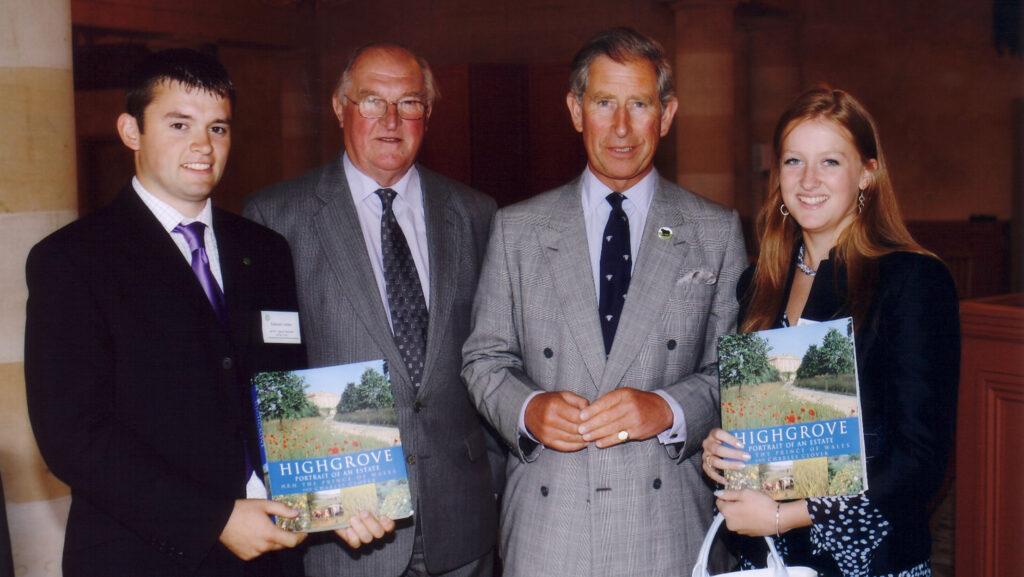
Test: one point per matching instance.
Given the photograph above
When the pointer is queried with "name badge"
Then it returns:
(281, 327)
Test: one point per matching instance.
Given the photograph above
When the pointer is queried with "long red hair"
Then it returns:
(877, 230)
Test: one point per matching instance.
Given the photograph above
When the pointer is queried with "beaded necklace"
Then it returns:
(803, 266)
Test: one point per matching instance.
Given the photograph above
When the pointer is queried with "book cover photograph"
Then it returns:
(791, 395)
(330, 445)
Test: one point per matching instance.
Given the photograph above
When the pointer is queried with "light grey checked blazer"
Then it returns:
(636, 509)
(343, 320)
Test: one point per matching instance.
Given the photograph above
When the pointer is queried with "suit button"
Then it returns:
(417, 406)
(548, 353)
(671, 344)
(544, 491)
(411, 459)
(227, 363)
(657, 483)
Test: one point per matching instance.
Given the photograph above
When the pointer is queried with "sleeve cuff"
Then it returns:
(677, 432)
(522, 418)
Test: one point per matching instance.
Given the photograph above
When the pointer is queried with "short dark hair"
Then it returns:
(621, 45)
(193, 70)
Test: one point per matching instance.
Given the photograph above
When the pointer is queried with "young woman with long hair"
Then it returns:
(832, 245)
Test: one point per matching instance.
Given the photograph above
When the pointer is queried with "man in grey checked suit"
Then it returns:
(605, 478)
(334, 218)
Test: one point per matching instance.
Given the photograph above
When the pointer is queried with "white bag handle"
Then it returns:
(701, 568)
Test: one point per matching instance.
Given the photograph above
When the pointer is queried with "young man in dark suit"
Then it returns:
(144, 325)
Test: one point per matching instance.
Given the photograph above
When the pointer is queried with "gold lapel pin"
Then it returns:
(664, 233)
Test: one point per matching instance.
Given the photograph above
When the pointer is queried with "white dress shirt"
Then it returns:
(169, 218)
(596, 210)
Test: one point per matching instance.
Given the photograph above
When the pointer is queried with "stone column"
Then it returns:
(37, 196)
(705, 86)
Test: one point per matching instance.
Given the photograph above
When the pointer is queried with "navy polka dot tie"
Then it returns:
(616, 263)
(409, 317)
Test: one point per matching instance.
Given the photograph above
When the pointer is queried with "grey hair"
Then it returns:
(345, 80)
(621, 45)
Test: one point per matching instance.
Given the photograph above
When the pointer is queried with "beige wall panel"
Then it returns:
(38, 127)
(37, 536)
(37, 195)
(25, 476)
(18, 232)
(37, 33)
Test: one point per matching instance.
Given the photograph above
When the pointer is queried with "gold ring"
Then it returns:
(623, 435)
(707, 461)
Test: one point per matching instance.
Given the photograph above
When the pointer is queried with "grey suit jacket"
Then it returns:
(343, 320)
(640, 508)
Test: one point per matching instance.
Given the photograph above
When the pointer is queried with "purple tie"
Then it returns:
(193, 234)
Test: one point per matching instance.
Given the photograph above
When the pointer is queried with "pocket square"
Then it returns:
(698, 276)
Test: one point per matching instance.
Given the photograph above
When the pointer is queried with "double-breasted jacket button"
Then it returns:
(227, 363)
(671, 344)
(657, 484)
(544, 491)
(411, 459)
(548, 353)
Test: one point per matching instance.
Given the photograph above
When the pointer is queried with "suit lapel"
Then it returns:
(154, 255)
(236, 264)
(336, 226)
(568, 254)
(446, 227)
(657, 266)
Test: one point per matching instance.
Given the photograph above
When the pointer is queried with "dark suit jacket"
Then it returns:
(344, 321)
(138, 397)
(908, 366)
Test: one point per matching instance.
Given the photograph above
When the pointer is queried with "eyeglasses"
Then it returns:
(373, 107)
(636, 108)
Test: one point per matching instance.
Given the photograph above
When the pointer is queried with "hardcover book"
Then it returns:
(791, 395)
(329, 444)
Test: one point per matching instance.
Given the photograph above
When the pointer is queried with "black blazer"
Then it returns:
(138, 397)
(908, 363)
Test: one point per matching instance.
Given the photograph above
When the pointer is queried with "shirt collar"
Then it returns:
(362, 186)
(169, 216)
(595, 191)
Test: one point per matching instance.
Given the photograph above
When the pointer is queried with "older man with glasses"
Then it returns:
(387, 255)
